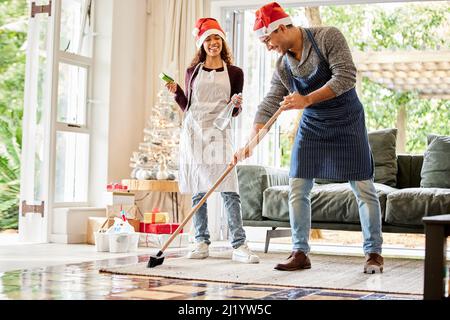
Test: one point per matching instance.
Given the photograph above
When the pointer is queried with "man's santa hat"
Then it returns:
(269, 18)
(206, 27)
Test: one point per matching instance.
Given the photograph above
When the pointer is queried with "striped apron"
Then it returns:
(331, 141)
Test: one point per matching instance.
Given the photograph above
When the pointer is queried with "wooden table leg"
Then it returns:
(435, 257)
(173, 208)
(176, 206)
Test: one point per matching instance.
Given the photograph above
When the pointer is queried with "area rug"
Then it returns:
(328, 272)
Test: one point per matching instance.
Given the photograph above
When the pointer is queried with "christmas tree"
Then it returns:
(157, 157)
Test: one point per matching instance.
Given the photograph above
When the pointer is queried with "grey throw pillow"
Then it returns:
(383, 145)
(436, 163)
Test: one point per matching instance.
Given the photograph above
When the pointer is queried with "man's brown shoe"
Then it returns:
(297, 260)
(374, 263)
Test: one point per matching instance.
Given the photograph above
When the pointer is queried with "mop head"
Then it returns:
(155, 260)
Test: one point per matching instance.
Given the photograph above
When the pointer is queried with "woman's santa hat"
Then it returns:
(206, 27)
(269, 18)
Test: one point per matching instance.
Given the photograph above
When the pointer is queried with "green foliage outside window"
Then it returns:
(412, 26)
(12, 77)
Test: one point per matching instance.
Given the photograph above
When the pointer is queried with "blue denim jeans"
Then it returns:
(232, 203)
(369, 213)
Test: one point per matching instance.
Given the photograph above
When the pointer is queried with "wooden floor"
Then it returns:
(83, 281)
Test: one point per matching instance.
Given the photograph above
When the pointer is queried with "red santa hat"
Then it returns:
(206, 27)
(269, 18)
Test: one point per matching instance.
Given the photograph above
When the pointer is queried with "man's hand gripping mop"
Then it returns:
(159, 258)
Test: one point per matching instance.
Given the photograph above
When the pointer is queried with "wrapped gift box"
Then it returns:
(158, 240)
(163, 228)
(144, 227)
(156, 217)
(158, 228)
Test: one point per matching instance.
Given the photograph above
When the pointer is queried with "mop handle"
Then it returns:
(193, 210)
(250, 145)
(262, 132)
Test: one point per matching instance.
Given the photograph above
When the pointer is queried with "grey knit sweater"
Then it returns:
(334, 48)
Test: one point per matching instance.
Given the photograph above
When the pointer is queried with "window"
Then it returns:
(75, 35)
(72, 135)
(56, 126)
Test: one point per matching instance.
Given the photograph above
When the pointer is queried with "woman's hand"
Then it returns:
(295, 101)
(237, 100)
(172, 86)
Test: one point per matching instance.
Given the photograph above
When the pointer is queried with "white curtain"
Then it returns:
(179, 46)
(170, 49)
(170, 45)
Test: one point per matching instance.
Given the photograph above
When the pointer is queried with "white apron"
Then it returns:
(205, 151)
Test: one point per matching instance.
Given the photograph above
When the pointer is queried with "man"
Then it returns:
(315, 72)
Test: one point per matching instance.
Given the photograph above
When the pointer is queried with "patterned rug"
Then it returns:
(328, 271)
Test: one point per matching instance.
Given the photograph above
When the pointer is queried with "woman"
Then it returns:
(205, 151)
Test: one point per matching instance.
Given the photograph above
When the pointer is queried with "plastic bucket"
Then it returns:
(119, 242)
(101, 241)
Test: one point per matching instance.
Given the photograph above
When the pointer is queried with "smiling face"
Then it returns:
(213, 45)
(277, 40)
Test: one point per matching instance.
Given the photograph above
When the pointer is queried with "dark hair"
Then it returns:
(225, 54)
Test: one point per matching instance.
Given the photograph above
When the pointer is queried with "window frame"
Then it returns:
(76, 60)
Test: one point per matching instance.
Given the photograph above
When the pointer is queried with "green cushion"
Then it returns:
(383, 144)
(253, 180)
(333, 202)
(407, 207)
(409, 167)
(275, 204)
(436, 163)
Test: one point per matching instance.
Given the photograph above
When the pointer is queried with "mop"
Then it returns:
(159, 258)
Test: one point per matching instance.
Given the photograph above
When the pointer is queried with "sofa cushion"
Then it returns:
(436, 165)
(333, 202)
(253, 180)
(409, 167)
(275, 203)
(383, 144)
(407, 207)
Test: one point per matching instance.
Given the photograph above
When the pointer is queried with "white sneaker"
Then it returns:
(200, 251)
(245, 255)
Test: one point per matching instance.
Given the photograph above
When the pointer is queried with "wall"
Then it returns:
(119, 78)
(99, 107)
(116, 107)
(126, 120)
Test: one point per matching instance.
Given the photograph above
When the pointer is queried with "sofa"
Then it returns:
(399, 180)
